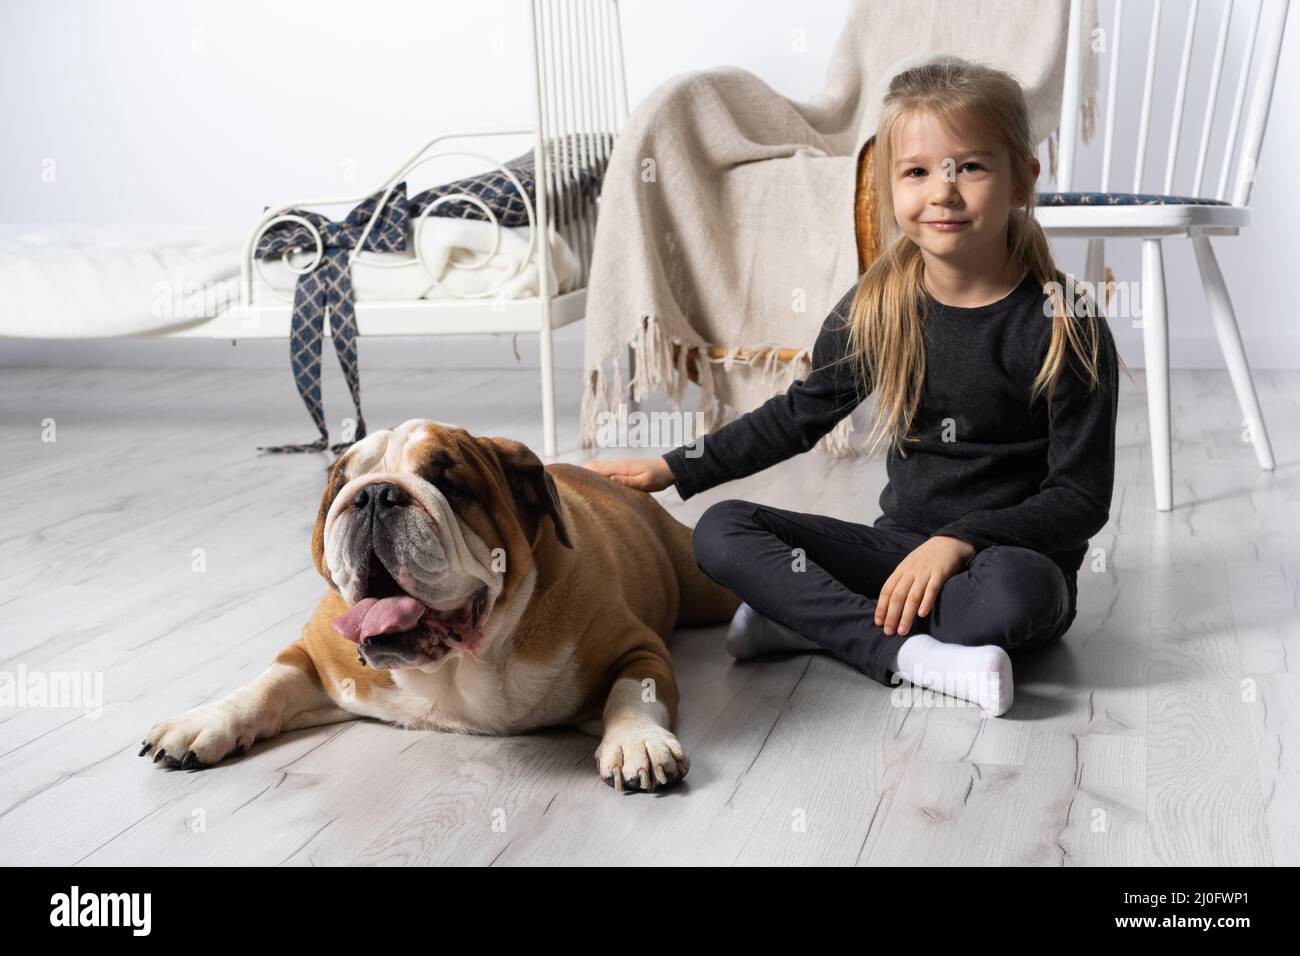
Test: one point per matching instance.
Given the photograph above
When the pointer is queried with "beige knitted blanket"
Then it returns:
(726, 215)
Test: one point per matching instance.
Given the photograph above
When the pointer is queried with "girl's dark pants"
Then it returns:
(821, 577)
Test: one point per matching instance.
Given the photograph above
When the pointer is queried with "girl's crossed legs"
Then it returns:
(820, 577)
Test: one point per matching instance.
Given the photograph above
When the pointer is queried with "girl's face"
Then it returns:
(953, 195)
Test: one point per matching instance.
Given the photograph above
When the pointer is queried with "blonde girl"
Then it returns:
(996, 383)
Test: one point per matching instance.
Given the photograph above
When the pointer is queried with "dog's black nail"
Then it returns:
(159, 755)
(144, 750)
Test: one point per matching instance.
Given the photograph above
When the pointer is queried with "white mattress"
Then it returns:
(80, 281)
(74, 281)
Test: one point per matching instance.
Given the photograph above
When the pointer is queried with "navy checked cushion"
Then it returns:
(575, 160)
(1122, 199)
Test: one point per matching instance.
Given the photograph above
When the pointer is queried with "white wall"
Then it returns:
(203, 112)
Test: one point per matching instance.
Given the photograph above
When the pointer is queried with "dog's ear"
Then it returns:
(333, 484)
(532, 486)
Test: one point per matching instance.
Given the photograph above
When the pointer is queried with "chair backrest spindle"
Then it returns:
(1112, 89)
(1261, 100)
(1148, 92)
(1072, 82)
(1239, 100)
(1180, 98)
(1260, 48)
(1216, 75)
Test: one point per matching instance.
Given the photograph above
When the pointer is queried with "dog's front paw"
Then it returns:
(198, 738)
(640, 755)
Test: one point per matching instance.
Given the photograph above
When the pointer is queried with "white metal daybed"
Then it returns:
(579, 101)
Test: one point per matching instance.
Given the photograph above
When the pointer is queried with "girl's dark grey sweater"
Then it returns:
(989, 467)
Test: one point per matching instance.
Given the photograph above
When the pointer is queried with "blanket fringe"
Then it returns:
(655, 367)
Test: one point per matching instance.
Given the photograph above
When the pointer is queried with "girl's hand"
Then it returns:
(915, 583)
(643, 474)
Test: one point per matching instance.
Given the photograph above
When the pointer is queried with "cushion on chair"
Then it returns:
(1122, 199)
(577, 162)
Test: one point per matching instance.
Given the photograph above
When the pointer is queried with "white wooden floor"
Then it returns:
(1164, 731)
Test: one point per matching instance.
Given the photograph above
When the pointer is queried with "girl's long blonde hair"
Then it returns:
(888, 316)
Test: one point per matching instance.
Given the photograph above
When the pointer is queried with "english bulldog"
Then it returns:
(472, 589)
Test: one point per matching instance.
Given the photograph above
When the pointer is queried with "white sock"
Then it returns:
(979, 674)
(751, 634)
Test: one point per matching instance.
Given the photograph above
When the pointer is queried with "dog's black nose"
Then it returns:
(380, 495)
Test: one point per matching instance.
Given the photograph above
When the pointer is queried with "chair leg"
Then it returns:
(1094, 272)
(548, 384)
(1155, 341)
(1225, 324)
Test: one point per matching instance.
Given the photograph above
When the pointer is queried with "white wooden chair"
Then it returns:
(578, 96)
(1099, 216)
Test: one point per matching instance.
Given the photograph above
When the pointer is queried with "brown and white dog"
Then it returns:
(474, 590)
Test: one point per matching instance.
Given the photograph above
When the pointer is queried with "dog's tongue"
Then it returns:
(372, 616)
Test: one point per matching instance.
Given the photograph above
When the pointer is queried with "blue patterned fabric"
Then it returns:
(573, 158)
(1122, 199)
(329, 285)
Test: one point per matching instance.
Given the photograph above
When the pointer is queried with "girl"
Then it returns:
(1005, 393)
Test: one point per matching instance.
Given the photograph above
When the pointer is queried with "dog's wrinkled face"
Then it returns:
(425, 530)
